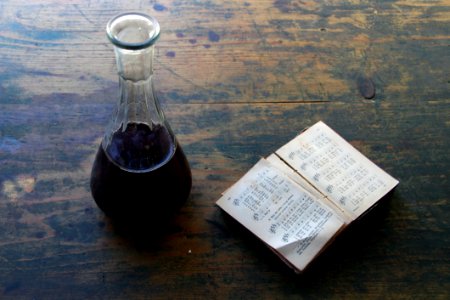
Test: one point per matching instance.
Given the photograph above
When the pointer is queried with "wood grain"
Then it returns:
(237, 80)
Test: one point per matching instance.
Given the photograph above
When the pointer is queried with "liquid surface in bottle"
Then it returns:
(153, 180)
(139, 148)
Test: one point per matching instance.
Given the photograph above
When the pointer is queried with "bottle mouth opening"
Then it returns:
(133, 30)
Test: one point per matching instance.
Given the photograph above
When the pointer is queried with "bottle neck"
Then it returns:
(138, 103)
(135, 65)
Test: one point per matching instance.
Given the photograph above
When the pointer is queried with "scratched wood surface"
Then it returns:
(237, 79)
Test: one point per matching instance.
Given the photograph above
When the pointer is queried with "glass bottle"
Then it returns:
(140, 172)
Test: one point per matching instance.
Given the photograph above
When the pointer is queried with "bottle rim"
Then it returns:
(119, 22)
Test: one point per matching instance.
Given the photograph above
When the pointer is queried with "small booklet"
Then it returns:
(298, 199)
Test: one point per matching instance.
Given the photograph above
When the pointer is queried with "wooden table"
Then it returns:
(237, 80)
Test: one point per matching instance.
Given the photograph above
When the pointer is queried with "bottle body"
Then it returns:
(140, 173)
(143, 195)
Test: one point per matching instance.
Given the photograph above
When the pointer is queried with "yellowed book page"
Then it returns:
(337, 169)
(281, 165)
(281, 213)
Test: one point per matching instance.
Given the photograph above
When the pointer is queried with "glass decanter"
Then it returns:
(140, 172)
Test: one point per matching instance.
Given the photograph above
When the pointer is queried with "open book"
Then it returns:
(299, 198)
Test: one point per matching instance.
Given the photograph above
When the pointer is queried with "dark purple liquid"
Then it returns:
(152, 181)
